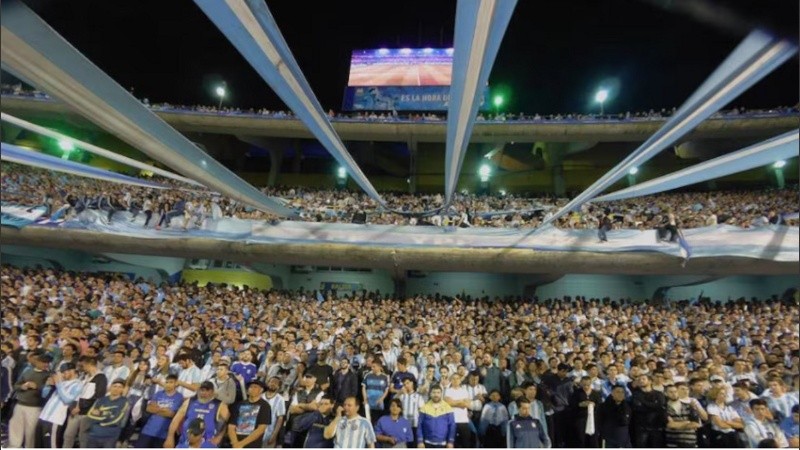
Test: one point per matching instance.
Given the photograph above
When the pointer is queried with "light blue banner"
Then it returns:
(768, 242)
(18, 216)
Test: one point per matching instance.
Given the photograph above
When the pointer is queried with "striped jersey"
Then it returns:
(354, 433)
(278, 407)
(681, 412)
(56, 409)
(411, 404)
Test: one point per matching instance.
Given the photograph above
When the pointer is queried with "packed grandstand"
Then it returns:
(66, 196)
(689, 373)
(330, 317)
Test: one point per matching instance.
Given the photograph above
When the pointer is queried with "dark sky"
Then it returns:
(554, 56)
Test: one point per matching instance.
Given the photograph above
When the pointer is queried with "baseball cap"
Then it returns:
(257, 383)
(119, 381)
(67, 366)
(207, 385)
(716, 378)
(226, 360)
(196, 427)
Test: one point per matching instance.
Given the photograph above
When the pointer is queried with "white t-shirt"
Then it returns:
(461, 393)
(725, 413)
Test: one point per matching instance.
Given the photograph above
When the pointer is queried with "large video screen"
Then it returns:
(401, 67)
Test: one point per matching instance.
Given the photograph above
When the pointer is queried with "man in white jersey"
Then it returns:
(352, 430)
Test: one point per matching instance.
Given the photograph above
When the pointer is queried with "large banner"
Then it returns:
(19, 216)
(399, 98)
(770, 242)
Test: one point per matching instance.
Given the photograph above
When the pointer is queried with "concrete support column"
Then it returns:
(559, 185)
(400, 286)
(275, 161)
(412, 166)
(9, 133)
(298, 157)
(779, 180)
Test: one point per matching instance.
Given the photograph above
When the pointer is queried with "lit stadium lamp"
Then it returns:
(498, 102)
(341, 173)
(449, 52)
(383, 51)
(427, 50)
(779, 164)
(503, 192)
(484, 172)
(634, 170)
(405, 51)
(67, 147)
(220, 91)
(601, 97)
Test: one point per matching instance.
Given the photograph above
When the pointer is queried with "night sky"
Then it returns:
(554, 56)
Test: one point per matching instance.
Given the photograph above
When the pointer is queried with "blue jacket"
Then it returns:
(437, 424)
(526, 432)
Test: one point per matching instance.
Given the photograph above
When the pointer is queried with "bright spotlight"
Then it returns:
(779, 164)
(484, 172)
(383, 51)
(634, 170)
(601, 96)
(66, 146)
(342, 172)
(449, 52)
(503, 192)
(427, 50)
(220, 91)
(405, 51)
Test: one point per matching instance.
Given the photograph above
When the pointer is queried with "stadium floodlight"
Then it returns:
(634, 170)
(484, 172)
(427, 50)
(383, 51)
(66, 146)
(449, 52)
(503, 192)
(779, 164)
(601, 97)
(220, 91)
(341, 173)
(498, 101)
(405, 51)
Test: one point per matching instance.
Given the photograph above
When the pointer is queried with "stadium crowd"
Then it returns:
(66, 195)
(19, 90)
(95, 360)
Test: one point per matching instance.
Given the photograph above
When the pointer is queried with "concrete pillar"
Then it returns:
(400, 287)
(298, 157)
(9, 133)
(275, 161)
(559, 185)
(779, 180)
(412, 167)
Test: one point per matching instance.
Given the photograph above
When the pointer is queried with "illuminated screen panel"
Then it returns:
(401, 67)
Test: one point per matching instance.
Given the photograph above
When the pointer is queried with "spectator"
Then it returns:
(162, 408)
(437, 424)
(107, 417)
(352, 430)
(394, 430)
(524, 431)
(250, 418)
(29, 388)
